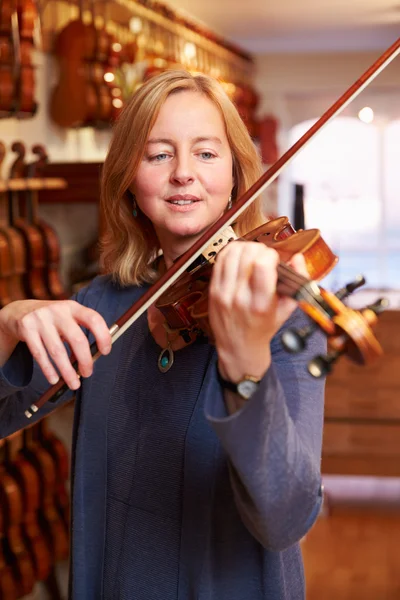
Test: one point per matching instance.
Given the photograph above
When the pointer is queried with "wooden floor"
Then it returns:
(353, 552)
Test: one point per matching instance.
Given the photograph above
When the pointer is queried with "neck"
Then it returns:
(175, 249)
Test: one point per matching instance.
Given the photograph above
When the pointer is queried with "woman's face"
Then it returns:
(185, 179)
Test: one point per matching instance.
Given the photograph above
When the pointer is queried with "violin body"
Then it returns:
(71, 47)
(15, 549)
(53, 282)
(83, 53)
(8, 582)
(34, 277)
(49, 239)
(26, 105)
(50, 522)
(59, 454)
(29, 484)
(7, 58)
(5, 271)
(17, 259)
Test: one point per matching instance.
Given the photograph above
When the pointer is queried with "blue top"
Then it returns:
(174, 498)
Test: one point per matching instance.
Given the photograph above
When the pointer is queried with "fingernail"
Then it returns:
(54, 379)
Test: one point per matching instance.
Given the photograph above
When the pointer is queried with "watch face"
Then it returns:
(246, 388)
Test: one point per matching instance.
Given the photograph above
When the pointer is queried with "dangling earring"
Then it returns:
(134, 206)
(229, 202)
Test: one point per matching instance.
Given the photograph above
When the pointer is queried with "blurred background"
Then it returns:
(66, 70)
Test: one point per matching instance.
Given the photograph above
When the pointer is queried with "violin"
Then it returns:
(71, 46)
(7, 58)
(185, 304)
(51, 243)
(348, 331)
(51, 523)
(59, 453)
(15, 550)
(96, 58)
(29, 484)
(12, 251)
(8, 583)
(26, 105)
(33, 241)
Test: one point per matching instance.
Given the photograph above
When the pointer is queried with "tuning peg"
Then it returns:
(350, 287)
(294, 340)
(379, 306)
(322, 364)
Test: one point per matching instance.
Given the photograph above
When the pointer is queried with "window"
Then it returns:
(351, 177)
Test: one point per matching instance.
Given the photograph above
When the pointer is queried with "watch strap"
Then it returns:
(233, 387)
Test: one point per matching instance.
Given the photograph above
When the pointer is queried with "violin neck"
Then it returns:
(290, 283)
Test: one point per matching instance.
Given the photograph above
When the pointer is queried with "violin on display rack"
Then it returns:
(71, 98)
(13, 255)
(34, 244)
(7, 58)
(18, 19)
(15, 549)
(54, 286)
(86, 93)
(182, 291)
(29, 484)
(26, 105)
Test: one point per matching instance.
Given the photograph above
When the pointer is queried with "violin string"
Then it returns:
(295, 283)
(291, 276)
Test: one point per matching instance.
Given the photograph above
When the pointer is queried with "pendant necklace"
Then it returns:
(166, 356)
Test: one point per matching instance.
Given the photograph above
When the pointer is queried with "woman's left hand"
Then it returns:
(245, 310)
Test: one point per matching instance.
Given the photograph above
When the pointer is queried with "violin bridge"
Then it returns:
(211, 251)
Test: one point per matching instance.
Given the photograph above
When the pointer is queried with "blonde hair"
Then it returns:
(129, 245)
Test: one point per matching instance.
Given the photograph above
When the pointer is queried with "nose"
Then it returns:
(183, 170)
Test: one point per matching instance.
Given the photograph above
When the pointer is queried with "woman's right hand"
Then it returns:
(44, 325)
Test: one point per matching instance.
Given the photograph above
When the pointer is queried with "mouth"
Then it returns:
(183, 199)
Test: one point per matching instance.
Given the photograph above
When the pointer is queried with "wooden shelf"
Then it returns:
(33, 184)
(362, 411)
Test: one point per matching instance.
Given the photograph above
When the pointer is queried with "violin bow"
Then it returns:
(184, 261)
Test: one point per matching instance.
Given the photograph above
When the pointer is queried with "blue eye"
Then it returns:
(206, 155)
(158, 157)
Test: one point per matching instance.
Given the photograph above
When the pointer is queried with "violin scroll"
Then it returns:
(348, 331)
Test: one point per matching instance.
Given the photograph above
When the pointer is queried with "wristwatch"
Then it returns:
(244, 388)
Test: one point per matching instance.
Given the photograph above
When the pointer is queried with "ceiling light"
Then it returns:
(366, 115)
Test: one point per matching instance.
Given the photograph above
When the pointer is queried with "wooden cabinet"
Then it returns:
(362, 410)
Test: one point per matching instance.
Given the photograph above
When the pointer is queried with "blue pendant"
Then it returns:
(165, 360)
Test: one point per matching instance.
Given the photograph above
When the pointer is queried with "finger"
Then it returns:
(224, 276)
(80, 348)
(264, 279)
(39, 354)
(92, 320)
(251, 255)
(58, 353)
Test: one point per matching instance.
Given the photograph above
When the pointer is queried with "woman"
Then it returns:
(195, 471)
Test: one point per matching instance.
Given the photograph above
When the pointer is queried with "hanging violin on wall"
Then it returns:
(25, 103)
